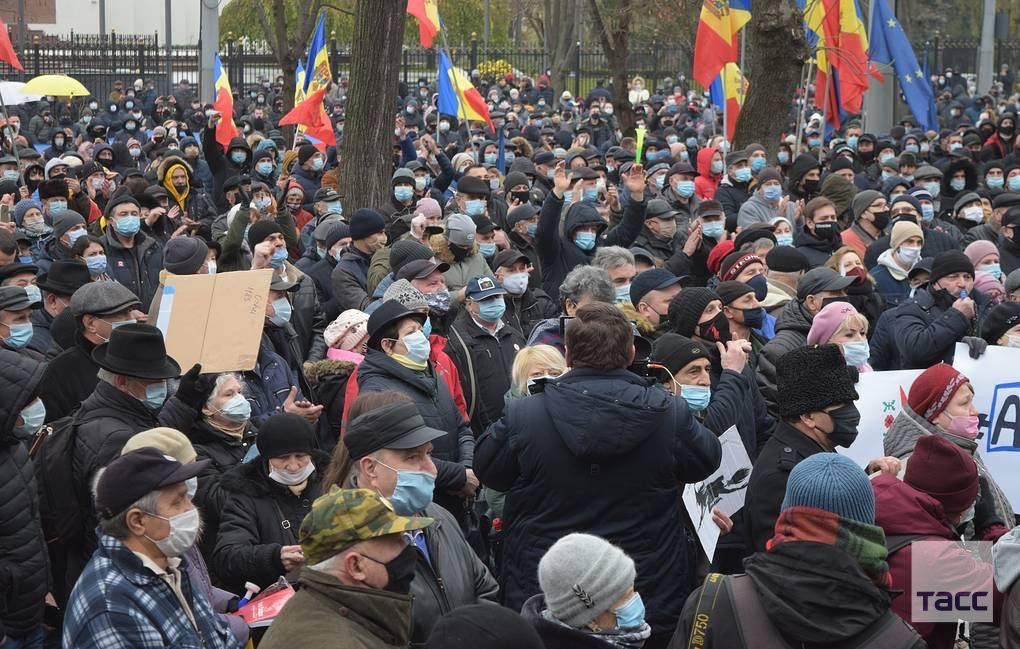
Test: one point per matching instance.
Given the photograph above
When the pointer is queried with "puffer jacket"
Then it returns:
(558, 254)
(732, 194)
(24, 563)
(268, 383)
(137, 268)
(259, 516)
(525, 310)
(349, 279)
(908, 427)
(927, 330)
(792, 329)
(462, 270)
(604, 452)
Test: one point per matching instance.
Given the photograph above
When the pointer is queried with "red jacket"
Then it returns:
(900, 510)
(441, 363)
(706, 183)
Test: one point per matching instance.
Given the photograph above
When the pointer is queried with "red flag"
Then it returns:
(311, 114)
(7, 53)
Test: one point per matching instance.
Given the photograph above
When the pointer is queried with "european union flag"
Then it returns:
(890, 45)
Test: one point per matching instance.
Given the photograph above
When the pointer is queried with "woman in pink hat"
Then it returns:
(841, 324)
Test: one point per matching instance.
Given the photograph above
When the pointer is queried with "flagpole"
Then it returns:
(805, 80)
(825, 105)
(725, 111)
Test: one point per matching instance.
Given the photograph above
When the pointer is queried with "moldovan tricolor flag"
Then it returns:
(428, 19)
(224, 104)
(727, 92)
(457, 95)
(716, 43)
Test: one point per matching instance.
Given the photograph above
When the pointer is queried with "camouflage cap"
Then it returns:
(345, 517)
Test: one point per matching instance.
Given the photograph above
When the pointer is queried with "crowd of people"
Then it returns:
(474, 407)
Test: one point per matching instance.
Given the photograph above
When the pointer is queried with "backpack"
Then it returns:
(756, 630)
(60, 509)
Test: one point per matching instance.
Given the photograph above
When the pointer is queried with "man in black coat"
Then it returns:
(57, 286)
(24, 562)
(816, 405)
(483, 347)
(526, 304)
(338, 238)
(97, 308)
(601, 451)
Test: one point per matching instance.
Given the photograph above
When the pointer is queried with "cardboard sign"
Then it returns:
(215, 320)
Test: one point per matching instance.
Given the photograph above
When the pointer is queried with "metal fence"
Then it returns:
(961, 54)
(100, 61)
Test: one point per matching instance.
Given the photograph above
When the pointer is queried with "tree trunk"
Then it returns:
(776, 37)
(560, 40)
(614, 36)
(367, 160)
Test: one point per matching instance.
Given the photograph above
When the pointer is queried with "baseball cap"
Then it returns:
(653, 279)
(420, 269)
(482, 287)
(508, 257)
(821, 279)
(397, 425)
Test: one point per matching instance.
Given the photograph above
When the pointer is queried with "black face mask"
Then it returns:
(715, 330)
(811, 186)
(400, 571)
(826, 301)
(754, 318)
(521, 197)
(826, 230)
(881, 219)
(845, 421)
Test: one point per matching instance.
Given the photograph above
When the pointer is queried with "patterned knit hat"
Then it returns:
(932, 391)
(402, 291)
(834, 483)
(349, 331)
(734, 263)
(582, 576)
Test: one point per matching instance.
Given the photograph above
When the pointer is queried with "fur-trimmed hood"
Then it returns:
(252, 478)
(643, 324)
(319, 371)
(442, 249)
(167, 162)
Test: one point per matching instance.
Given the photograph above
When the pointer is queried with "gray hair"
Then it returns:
(105, 375)
(588, 281)
(117, 526)
(219, 381)
(611, 257)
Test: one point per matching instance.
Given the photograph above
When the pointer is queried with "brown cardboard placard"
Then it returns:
(215, 320)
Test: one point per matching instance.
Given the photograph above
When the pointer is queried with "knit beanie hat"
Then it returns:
(728, 292)
(902, 231)
(767, 174)
(407, 250)
(735, 263)
(944, 471)
(348, 331)
(686, 308)
(840, 191)
(185, 255)
(1000, 319)
(827, 322)
(834, 483)
(582, 576)
(674, 351)
(483, 626)
(810, 379)
(428, 207)
(980, 249)
(23, 207)
(304, 152)
(259, 230)
(64, 220)
(863, 201)
(402, 291)
(285, 433)
(170, 441)
(986, 283)
(933, 389)
(949, 262)
(365, 222)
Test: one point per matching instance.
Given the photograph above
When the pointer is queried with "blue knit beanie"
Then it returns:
(834, 483)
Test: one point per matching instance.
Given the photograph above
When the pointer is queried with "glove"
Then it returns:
(976, 345)
(194, 389)
(984, 508)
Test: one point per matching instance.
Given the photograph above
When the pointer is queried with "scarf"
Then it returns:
(234, 432)
(865, 543)
(630, 638)
(179, 197)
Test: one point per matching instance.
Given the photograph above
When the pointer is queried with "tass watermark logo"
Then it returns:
(951, 581)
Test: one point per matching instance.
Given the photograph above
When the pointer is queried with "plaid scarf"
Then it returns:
(864, 542)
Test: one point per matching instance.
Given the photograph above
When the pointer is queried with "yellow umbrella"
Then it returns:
(56, 85)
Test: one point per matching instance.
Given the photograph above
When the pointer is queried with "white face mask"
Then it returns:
(1013, 341)
(291, 478)
(183, 532)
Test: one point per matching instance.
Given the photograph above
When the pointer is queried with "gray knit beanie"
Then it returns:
(582, 576)
(402, 291)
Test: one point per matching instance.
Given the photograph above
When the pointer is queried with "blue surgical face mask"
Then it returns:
(413, 491)
(852, 141)
(427, 327)
(660, 181)
(236, 409)
(784, 239)
(684, 156)
(96, 264)
(418, 346)
(933, 188)
(532, 228)
(508, 158)
(34, 294)
(1014, 183)
(20, 335)
(334, 207)
(995, 270)
(318, 164)
(238, 157)
(684, 188)
(322, 252)
(568, 197)
(742, 175)
(783, 157)
(74, 235)
(487, 249)
(11, 174)
(26, 259)
(912, 148)
(856, 353)
(757, 164)
(279, 256)
(403, 193)
(492, 309)
(886, 159)
(155, 395)
(927, 212)
(696, 396)
(474, 207)
(264, 168)
(713, 229)
(995, 182)
(56, 205)
(772, 192)
(590, 193)
(717, 166)
(632, 614)
(32, 416)
(490, 158)
(283, 310)
(585, 240)
(957, 184)
(127, 225)
(622, 293)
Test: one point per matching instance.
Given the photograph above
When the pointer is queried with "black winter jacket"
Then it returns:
(557, 636)
(321, 273)
(927, 329)
(24, 564)
(792, 329)
(524, 311)
(484, 362)
(69, 379)
(137, 267)
(602, 452)
(259, 516)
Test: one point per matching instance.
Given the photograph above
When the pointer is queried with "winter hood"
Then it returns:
(705, 163)
(900, 509)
